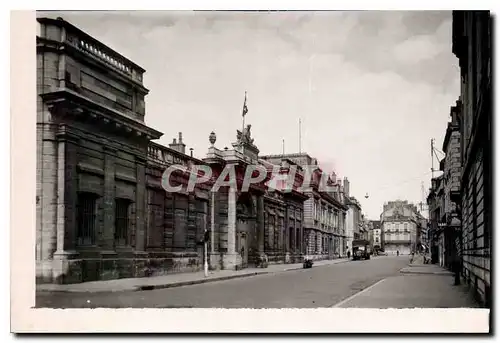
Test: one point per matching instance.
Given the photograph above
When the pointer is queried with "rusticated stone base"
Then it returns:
(231, 261)
(96, 269)
(215, 260)
(285, 258)
(44, 271)
(319, 257)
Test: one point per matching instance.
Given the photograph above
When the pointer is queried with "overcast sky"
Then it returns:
(371, 88)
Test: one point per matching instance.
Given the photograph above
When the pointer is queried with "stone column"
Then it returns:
(287, 229)
(140, 205)
(230, 258)
(212, 221)
(107, 240)
(260, 223)
(295, 243)
(67, 184)
(46, 208)
(231, 220)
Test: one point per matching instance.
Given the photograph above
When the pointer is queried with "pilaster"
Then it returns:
(260, 223)
(213, 212)
(107, 239)
(140, 205)
(67, 184)
(231, 220)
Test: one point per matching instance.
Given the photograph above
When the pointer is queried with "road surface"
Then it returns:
(321, 286)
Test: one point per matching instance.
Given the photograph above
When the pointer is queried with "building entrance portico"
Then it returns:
(238, 230)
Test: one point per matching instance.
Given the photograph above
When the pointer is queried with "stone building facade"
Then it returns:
(444, 193)
(376, 235)
(472, 46)
(399, 221)
(261, 224)
(102, 212)
(324, 212)
(437, 220)
(354, 221)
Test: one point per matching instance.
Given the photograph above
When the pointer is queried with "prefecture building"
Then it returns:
(102, 211)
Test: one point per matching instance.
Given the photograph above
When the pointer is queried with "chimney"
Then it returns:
(339, 189)
(346, 187)
(178, 146)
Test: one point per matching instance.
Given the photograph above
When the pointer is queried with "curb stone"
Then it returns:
(196, 282)
(321, 265)
(407, 270)
(177, 284)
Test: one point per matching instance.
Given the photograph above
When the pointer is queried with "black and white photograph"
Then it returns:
(263, 160)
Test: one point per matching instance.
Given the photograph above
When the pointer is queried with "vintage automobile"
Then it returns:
(360, 249)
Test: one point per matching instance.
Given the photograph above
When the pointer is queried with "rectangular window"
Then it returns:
(277, 239)
(474, 208)
(86, 218)
(122, 221)
(297, 239)
(271, 231)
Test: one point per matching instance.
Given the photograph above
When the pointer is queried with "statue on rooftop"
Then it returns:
(245, 136)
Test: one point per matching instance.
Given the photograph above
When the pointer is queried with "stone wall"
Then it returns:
(472, 45)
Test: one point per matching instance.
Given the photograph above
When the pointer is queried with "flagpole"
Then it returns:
(300, 136)
(244, 106)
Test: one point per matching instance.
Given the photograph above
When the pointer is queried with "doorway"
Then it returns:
(243, 248)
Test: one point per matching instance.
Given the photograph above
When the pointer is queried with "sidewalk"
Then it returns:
(174, 280)
(417, 286)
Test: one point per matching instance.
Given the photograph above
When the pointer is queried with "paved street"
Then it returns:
(321, 286)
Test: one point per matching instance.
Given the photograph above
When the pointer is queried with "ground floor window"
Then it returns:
(86, 218)
(122, 207)
(297, 240)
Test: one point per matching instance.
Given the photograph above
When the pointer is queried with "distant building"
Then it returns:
(444, 194)
(376, 235)
(435, 201)
(399, 221)
(354, 221)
